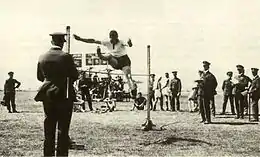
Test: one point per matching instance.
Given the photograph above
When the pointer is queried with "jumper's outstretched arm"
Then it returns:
(91, 41)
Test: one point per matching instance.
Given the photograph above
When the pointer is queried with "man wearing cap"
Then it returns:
(54, 67)
(9, 91)
(241, 82)
(209, 90)
(175, 87)
(254, 92)
(227, 87)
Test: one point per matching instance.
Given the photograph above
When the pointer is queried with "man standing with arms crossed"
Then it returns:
(175, 86)
(54, 67)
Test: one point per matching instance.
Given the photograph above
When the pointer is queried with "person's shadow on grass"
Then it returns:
(235, 123)
(172, 139)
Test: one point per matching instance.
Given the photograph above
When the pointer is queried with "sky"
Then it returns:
(182, 33)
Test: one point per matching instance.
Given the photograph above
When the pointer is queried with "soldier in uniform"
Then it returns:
(240, 86)
(54, 67)
(209, 90)
(9, 92)
(254, 92)
(227, 87)
(175, 86)
(84, 87)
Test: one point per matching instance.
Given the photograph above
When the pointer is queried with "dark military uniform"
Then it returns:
(254, 91)
(54, 67)
(175, 87)
(9, 91)
(240, 87)
(209, 91)
(84, 86)
(227, 87)
(200, 100)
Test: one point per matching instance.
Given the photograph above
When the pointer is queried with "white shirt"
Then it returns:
(165, 82)
(119, 49)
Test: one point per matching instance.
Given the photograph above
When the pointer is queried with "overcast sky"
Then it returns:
(182, 33)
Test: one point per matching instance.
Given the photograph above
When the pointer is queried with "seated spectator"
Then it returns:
(110, 103)
(192, 99)
(139, 102)
(78, 104)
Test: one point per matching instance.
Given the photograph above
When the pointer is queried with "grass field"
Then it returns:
(118, 133)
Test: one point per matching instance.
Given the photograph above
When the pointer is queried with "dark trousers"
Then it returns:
(240, 101)
(231, 101)
(57, 113)
(10, 97)
(160, 101)
(87, 97)
(175, 100)
(152, 98)
(206, 107)
(201, 107)
(213, 106)
(246, 104)
(254, 105)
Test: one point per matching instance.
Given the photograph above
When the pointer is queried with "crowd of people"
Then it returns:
(241, 91)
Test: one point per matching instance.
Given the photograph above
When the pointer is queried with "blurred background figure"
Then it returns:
(166, 92)
(139, 102)
(158, 95)
(227, 88)
(175, 86)
(84, 86)
(9, 92)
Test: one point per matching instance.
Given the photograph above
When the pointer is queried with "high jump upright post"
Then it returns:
(68, 51)
(148, 125)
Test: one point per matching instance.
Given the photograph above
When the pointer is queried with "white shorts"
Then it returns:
(158, 93)
(166, 91)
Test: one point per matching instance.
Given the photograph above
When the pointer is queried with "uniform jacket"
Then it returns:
(175, 86)
(255, 87)
(242, 82)
(209, 84)
(9, 86)
(227, 87)
(54, 67)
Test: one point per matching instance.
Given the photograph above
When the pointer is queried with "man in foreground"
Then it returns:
(54, 67)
